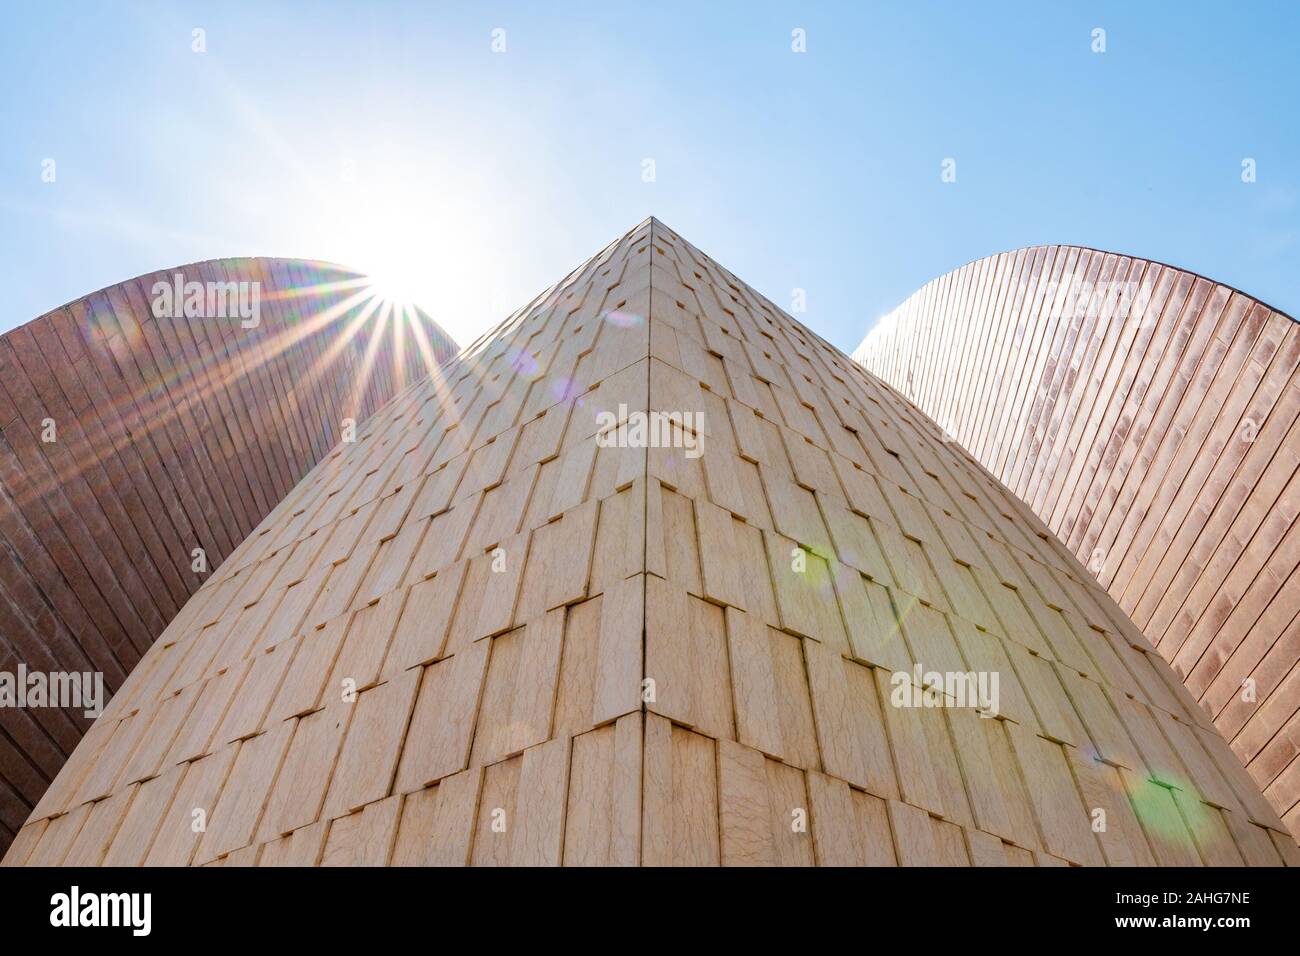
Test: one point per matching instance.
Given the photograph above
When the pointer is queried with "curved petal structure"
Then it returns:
(145, 430)
(1151, 419)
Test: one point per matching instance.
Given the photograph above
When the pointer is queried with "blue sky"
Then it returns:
(390, 137)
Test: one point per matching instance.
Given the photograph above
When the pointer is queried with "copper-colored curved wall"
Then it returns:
(1150, 417)
(170, 435)
(482, 634)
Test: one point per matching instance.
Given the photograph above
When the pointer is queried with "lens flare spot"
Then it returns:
(522, 362)
(1160, 816)
(564, 389)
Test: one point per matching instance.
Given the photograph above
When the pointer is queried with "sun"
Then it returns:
(408, 269)
(400, 262)
(417, 232)
(398, 288)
